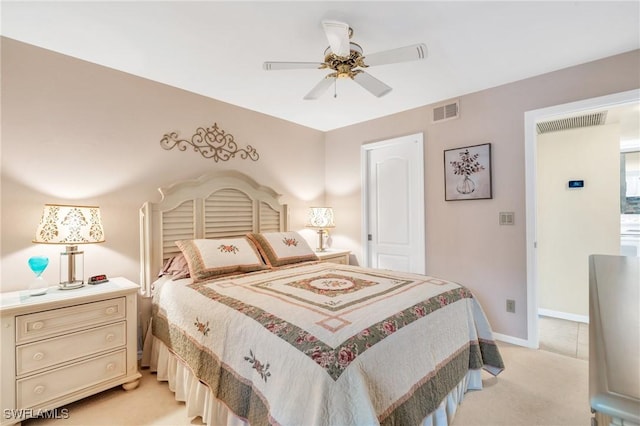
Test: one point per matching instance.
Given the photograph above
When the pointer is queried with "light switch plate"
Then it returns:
(506, 218)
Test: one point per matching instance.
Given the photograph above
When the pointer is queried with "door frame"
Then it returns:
(531, 118)
(364, 169)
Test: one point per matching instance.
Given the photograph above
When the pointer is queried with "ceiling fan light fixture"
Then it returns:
(346, 60)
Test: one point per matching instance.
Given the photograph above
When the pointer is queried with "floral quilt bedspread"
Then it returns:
(326, 344)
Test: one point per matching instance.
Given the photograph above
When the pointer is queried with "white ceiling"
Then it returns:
(216, 48)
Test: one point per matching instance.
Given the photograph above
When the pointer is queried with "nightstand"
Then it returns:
(334, 256)
(66, 345)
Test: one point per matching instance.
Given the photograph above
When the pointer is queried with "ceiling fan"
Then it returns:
(347, 59)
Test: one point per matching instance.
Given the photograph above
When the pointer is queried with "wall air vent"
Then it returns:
(447, 111)
(568, 123)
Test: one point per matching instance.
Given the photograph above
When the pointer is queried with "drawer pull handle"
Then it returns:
(111, 366)
(38, 390)
(37, 325)
(110, 310)
(38, 356)
(110, 337)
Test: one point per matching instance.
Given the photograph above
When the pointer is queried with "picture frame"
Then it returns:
(467, 173)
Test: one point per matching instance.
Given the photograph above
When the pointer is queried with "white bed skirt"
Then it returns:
(200, 401)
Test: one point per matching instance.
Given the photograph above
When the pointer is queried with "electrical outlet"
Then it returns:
(511, 306)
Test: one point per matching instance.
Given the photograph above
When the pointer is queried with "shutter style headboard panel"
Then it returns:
(269, 218)
(216, 205)
(177, 224)
(227, 213)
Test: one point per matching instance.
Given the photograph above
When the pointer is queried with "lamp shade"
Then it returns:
(320, 217)
(70, 225)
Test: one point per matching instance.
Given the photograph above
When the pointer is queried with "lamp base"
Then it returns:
(71, 286)
(321, 239)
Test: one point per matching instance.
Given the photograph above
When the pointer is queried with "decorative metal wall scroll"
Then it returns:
(210, 143)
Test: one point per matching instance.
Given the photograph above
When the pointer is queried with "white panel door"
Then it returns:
(394, 204)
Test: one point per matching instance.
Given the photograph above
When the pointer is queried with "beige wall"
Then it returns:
(60, 116)
(464, 241)
(575, 223)
(75, 132)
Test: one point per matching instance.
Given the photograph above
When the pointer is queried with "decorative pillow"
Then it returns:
(175, 266)
(283, 248)
(210, 258)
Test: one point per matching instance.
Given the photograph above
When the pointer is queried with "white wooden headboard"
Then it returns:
(215, 205)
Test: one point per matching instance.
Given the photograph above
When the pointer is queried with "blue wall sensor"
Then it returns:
(576, 184)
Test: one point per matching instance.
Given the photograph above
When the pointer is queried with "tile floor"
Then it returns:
(564, 337)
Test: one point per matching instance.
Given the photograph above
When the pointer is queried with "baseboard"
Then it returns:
(510, 339)
(563, 315)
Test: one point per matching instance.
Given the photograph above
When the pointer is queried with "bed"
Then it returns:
(249, 327)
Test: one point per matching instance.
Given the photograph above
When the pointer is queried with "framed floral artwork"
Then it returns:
(467, 173)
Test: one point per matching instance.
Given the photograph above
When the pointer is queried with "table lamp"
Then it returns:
(321, 218)
(70, 225)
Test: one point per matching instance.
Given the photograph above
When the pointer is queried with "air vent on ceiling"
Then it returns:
(595, 119)
(446, 111)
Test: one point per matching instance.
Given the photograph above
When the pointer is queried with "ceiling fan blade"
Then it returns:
(338, 36)
(372, 84)
(291, 65)
(320, 88)
(401, 54)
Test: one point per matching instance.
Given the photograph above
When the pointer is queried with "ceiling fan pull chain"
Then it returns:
(335, 88)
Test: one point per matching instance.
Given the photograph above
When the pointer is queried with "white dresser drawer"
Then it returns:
(46, 353)
(50, 323)
(341, 260)
(47, 386)
(334, 256)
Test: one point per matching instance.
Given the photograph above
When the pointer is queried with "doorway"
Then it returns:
(393, 204)
(531, 152)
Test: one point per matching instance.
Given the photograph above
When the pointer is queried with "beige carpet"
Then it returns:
(537, 388)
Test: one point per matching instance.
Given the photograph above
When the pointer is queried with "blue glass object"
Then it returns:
(38, 264)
